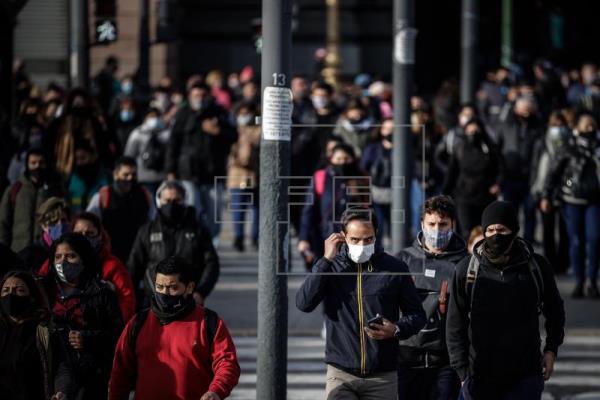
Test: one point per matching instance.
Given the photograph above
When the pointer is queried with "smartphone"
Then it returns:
(378, 320)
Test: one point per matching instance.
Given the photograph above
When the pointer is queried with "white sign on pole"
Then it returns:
(277, 113)
(404, 45)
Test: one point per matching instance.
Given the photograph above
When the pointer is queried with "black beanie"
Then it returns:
(500, 212)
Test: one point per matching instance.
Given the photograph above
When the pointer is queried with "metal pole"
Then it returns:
(79, 43)
(468, 72)
(273, 257)
(506, 49)
(402, 165)
(143, 74)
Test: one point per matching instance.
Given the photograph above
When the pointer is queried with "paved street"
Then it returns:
(577, 370)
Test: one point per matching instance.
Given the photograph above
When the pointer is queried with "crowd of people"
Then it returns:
(113, 201)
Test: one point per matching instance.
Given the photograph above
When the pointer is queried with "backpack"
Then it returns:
(105, 192)
(14, 191)
(211, 322)
(319, 181)
(153, 154)
(534, 270)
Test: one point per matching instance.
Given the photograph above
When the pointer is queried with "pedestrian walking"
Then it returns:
(362, 289)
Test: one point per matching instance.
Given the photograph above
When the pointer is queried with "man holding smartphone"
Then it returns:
(363, 289)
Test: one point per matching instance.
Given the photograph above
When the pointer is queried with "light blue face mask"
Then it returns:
(126, 115)
(436, 239)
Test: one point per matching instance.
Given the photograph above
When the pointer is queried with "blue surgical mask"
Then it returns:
(436, 239)
(126, 115)
(57, 230)
(127, 87)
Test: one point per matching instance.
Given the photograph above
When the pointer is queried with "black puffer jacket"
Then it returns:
(497, 340)
(190, 240)
(432, 272)
(381, 286)
(195, 155)
(575, 174)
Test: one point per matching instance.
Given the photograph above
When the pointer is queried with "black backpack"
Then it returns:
(153, 154)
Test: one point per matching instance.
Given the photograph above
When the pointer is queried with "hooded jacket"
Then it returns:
(497, 339)
(431, 273)
(18, 225)
(380, 286)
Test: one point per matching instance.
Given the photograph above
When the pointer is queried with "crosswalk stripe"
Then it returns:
(578, 365)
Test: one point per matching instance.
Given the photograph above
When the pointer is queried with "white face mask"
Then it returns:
(359, 253)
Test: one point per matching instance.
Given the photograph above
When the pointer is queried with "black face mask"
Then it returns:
(38, 174)
(344, 170)
(169, 304)
(15, 306)
(173, 212)
(123, 186)
(499, 244)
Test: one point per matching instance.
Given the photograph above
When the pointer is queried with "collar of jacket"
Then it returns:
(520, 253)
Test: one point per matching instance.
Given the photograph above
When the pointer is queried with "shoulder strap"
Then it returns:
(471, 279)
(538, 281)
(14, 191)
(320, 177)
(211, 322)
(140, 319)
(443, 297)
(104, 194)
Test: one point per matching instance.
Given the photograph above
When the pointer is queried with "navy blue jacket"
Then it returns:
(382, 285)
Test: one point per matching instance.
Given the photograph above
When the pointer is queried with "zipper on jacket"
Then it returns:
(361, 321)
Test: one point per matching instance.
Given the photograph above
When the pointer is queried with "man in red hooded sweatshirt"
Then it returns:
(178, 350)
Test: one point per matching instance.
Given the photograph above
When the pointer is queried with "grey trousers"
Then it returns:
(344, 386)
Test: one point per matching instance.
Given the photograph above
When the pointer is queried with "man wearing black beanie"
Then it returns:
(492, 326)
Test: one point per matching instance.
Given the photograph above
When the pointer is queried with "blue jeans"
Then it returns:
(428, 384)
(242, 200)
(584, 239)
(526, 389)
(208, 201)
(417, 198)
(518, 193)
(382, 213)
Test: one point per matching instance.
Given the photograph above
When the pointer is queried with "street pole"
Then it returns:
(506, 48)
(143, 73)
(333, 59)
(79, 33)
(468, 70)
(275, 154)
(402, 164)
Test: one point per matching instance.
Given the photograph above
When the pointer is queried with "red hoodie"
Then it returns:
(113, 271)
(172, 361)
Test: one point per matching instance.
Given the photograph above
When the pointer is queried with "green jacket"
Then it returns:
(18, 225)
